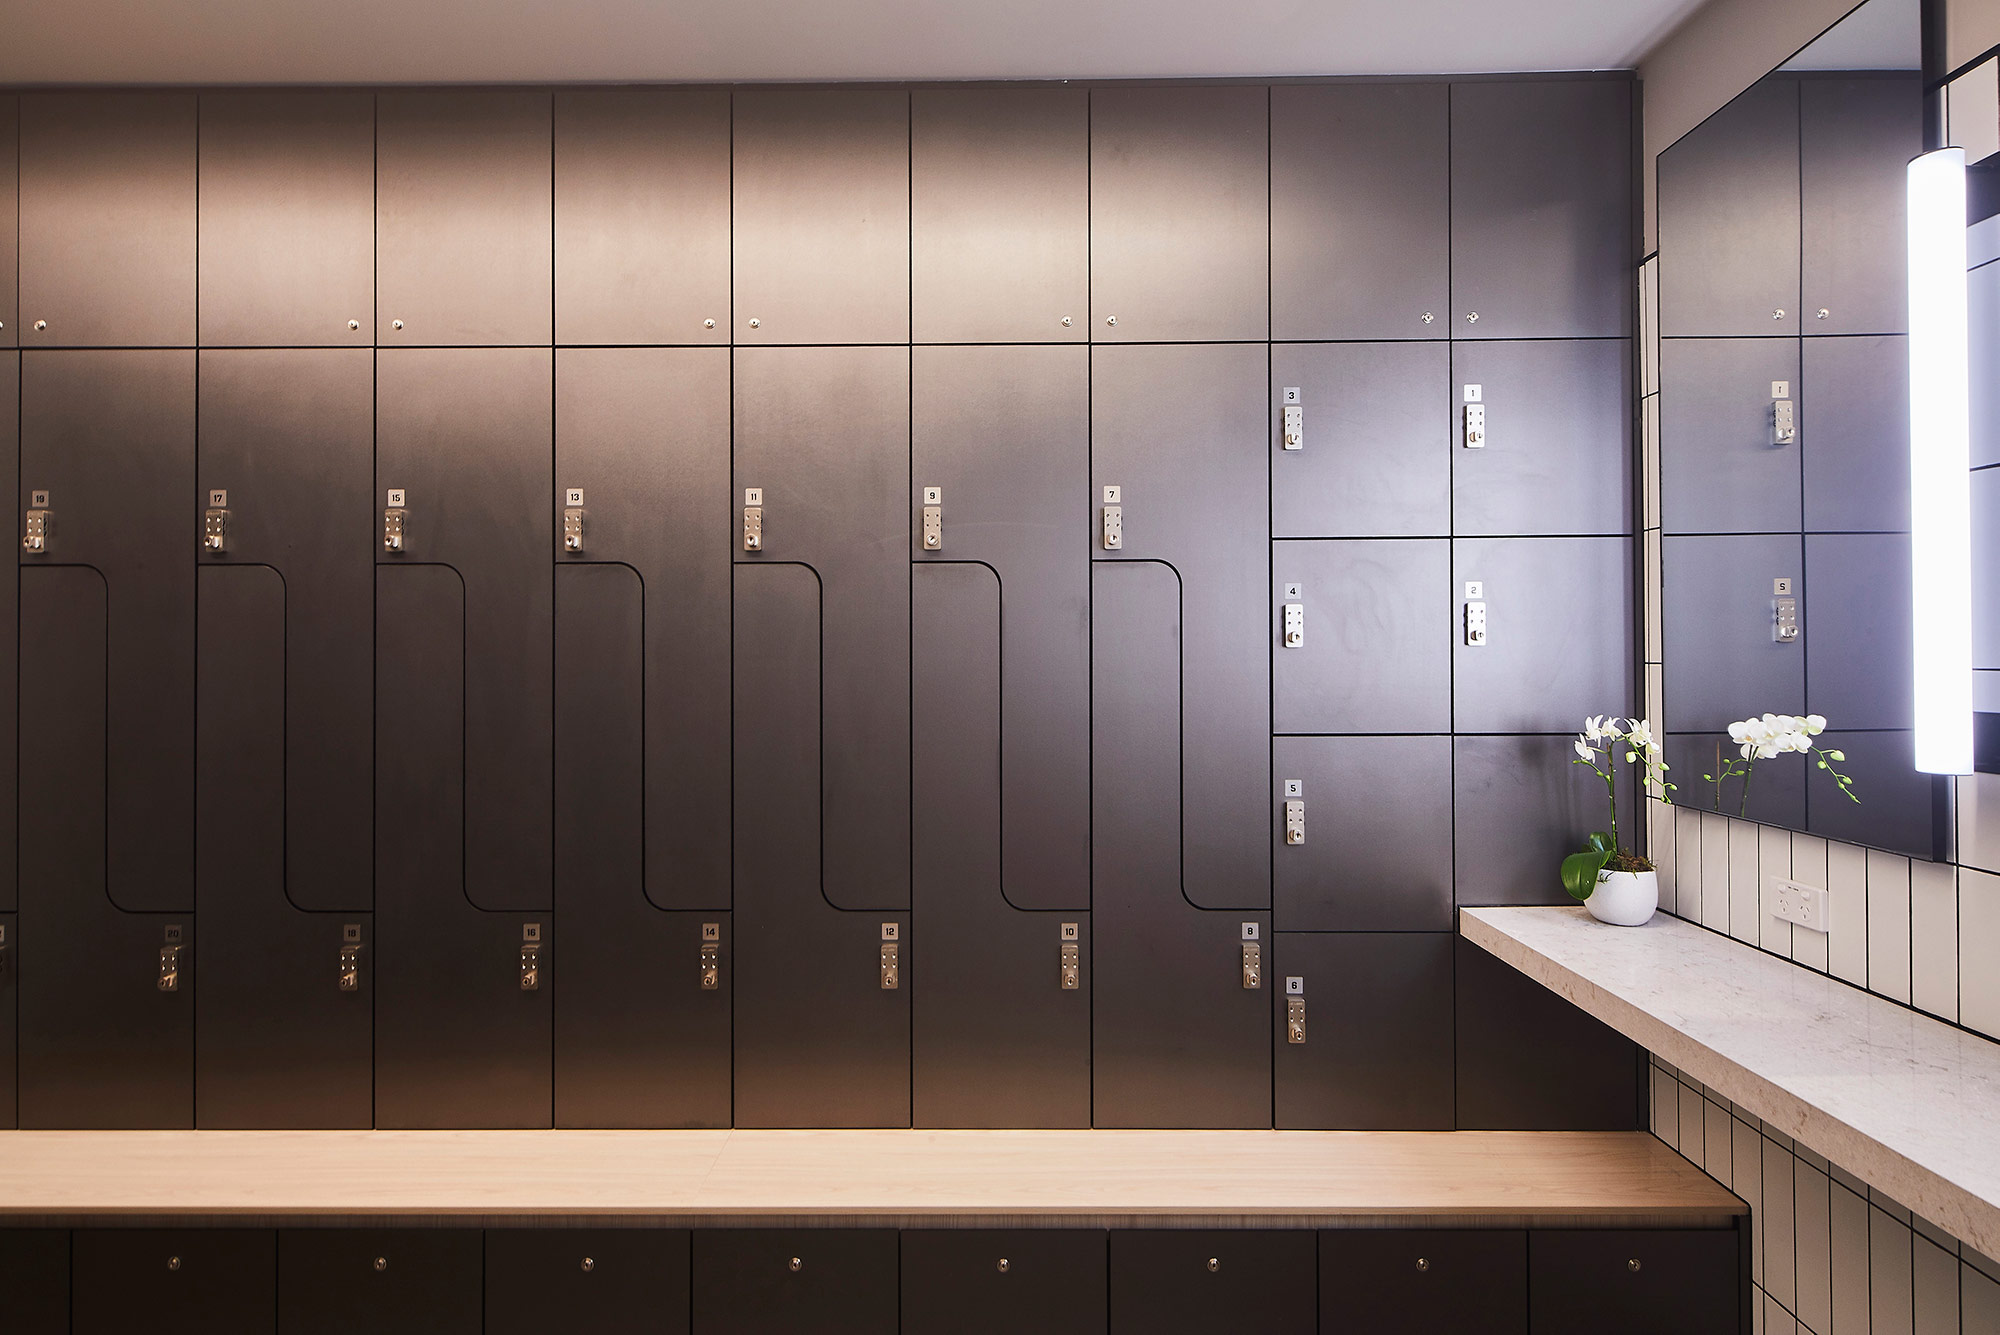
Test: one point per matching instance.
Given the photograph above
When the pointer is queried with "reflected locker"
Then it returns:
(642, 736)
(1181, 737)
(284, 737)
(107, 745)
(822, 737)
(1002, 732)
(464, 624)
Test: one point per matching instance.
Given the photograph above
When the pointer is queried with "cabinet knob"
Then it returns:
(797, 1264)
(381, 1263)
(1423, 1263)
(1633, 1265)
(589, 1264)
(173, 1263)
(1004, 1265)
(1214, 1264)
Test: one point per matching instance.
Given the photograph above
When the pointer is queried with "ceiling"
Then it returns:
(402, 41)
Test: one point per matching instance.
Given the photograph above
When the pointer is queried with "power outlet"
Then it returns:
(1799, 903)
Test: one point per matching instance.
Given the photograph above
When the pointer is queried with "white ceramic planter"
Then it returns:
(1625, 898)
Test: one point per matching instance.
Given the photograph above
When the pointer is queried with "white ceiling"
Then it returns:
(391, 41)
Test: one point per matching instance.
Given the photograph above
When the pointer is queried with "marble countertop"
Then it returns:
(1906, 1103)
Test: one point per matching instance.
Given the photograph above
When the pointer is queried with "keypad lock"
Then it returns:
(1475, 624)
(531, 957)
(572, 527)
(35, 531)
(1784, 417)
(170, 967)
(933, 519)
(1295, 621)
(753, 519)
(1114, 519)
(1253, 966)
(1295, 821)
(1072, 967)
(892, 973)
(1295, 1019)
(1295, 426)
(711, 966)
(1785, 620)
(350, 967)
(215, 524)
(394, 518)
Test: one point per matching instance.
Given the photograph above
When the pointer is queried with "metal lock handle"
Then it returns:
(350, 968)
(170, 968)
(1072, 968)
(531, 966)
(933, 519)
(1253, 966)
(215, 524)
(753, 517)
(573, 521)
(1295, 1019)
(711, 966)
(1295, 821)
(35, 531)
(1114, 519)
(891, 968)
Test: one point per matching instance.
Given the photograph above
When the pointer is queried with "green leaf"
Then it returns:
(1579, 872)
(1600, 842)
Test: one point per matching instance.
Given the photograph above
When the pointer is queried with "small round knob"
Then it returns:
(756, 324)
(1823, 313)
(41, 325)
(1472, 317)
(395, 324)
(1214, 1264)
(589, 1264)
(1633, 1265)
(381, 1263)
(1003, 1265)
(173, 1263)
(1066, 322)
(1428, 317)
(1111, 319)
(1423, 1263)
(797, 1265)
(708, 324)
(354, 324)
(1778, 314)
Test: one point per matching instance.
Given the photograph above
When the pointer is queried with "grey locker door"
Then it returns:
(1722, 469)
(463, 199)
(822, 216)
(1179, 213)
(10, 607)
(1859, 670)
(1530, 1061)
(1377, 1054)
(1002, 733)
(1559, 641)
(1360, 211)
(1542, 208)
(795, 1282)
(980, 156)
(1375, 655)
(1558, 451)
(642, 737)
(182, 1281)
(1857, 465)
(107, 219)
(1375, 857)
(598, 1281)
(1406, 1282)
(34, 1272)
(464, 626)
(10, 218)
(822, 738)
(106, 741)
(1722, 660)
(642, 215)
(1729, 219)
(1376, 457)
(1183, 1282)
(1857, 134)
(284, 732)
(1051, 1281)
(1521, 807)
(334, 1281)
(287, 219)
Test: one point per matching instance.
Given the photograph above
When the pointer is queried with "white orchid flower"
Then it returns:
(1815, 724)
(1593, 728)
(1583, 750)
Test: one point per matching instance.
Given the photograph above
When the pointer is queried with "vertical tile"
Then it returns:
(1811, 864)
(1934, 1286)
(1978, 808)
(1687, 864)
(1774, 858)
(1850, 1263)
(1979, 951)
(1660, 848)
(1714, 871)
(1649, 328)
(1934, 938)
(1888, 1275)
(1847, 892)
(1744, 896)
(1760, 1307)
(1716, 1141)
(1812, 1233)
(1650, 556)
(1980, 1261)
(1690, 1124)
(1889, 925)
(1981, 1294)
(1926, 1229)
(1746, 1153)
(1666, 1107)
(1777, 1321)
(1779, 1260)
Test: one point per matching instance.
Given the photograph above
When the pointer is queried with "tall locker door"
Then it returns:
(981, 154)
(107, 739)
(1363, 1031)
(642, 736)
(383, 1281)
(462, 206)
(180, 1281)
(10, 218)
(822, 737)
(1179, 213)
(107, 220)
(1002, 733)
(1542, 208)
(822, 216)
(1729, 220)
(1360, 211)
(1857, 135)
(1181, 737)
(464, 627)
(287, 219)
(587, 1281)
(284, 733)
(642, 215)
(10, 608)
(34, 1274)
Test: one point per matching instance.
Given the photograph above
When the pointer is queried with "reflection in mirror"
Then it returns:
(1784, 442)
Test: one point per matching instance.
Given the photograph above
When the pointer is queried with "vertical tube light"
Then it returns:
(1940, 462)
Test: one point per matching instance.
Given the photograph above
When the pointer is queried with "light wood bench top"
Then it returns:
(946, 1179)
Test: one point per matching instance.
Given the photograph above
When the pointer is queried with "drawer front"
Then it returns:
(383, 1281)
(795, 1282)
(982, 1282)
(1637, 1283)
(172, 1281)
(1412, 1282)
(1200, 1282)
(621, 1281)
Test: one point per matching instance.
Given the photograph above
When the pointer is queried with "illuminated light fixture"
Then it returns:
(1940, 464)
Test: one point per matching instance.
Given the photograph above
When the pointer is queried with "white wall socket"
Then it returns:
(1799, 903)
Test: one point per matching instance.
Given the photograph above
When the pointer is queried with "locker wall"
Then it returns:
(585, 820)
(10, 218)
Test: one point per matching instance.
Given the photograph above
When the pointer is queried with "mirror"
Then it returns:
(1784, 439)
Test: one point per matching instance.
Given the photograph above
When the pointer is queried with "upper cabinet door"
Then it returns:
(1729, 219)
(10, 214)
(463, 200)
(1180, 214)
(642, 216)
(1856, 138)
(1000, 214)
(287, 219)
(107, 219)
(822, 192)
(1541, 209)
(1360, 211)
